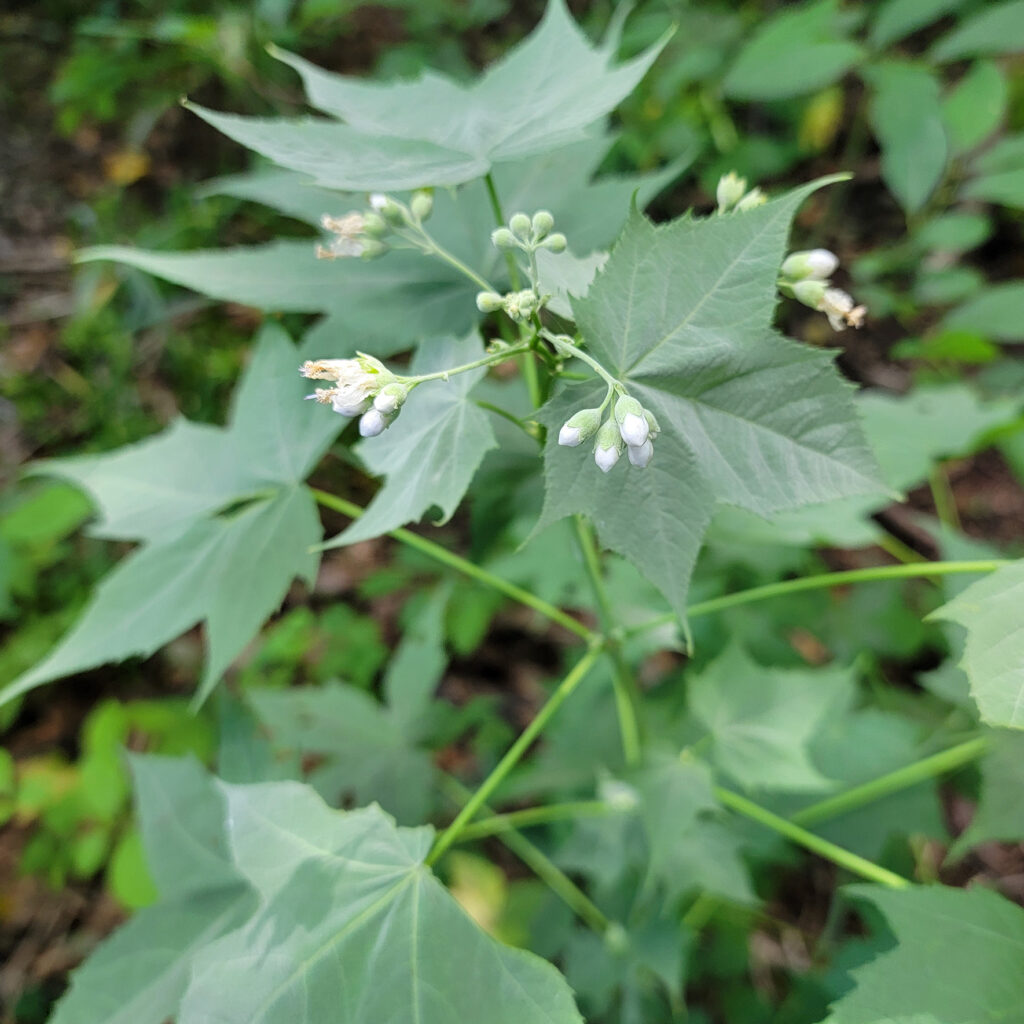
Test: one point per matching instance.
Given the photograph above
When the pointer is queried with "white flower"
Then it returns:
(349, 236)
(608, 446)
(579, 427)
(570, 437)
(633, 425)
(840, 309)
(641, 455)
(819, 264)
(378, 201)
(356, 382)
(606, 458)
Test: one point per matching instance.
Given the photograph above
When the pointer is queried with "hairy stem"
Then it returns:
(541, 865)
(467, 568)
(488, 360)
(830, 579)
(567, 347)
(515, 753)
(809, 841)
(626, 697)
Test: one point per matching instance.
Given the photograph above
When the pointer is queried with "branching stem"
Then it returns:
(488, 360)
(467, 568)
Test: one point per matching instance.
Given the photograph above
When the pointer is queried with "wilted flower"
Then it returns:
(349, 236)
(836, 304)
(356, 381)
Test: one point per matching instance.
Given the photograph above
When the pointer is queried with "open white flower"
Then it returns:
(356, 381)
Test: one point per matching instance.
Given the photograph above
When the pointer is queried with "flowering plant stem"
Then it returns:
(467, 568)
(538, 862)
(514, 753)
(488, 360)
(829, 579)
(626, 696)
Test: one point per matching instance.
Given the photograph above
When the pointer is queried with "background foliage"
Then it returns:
(859, 714)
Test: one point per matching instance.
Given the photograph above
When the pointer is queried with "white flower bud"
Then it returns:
(373, 248)
(386, 206)
(608, 447)
(555, 243)
(502, 238)
(489, 302)
(390, 398)
(641, 455)
(754, 198)
(819, 264)
(372, 423)
(543, 222)
(633, 425)
(580, 427)
(378, 201)
(422, 205)
(730, 190)
(521, 225)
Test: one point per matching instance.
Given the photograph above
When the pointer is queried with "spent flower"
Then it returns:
(355, 382)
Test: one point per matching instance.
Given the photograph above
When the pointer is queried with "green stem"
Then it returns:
(541, 865)
(902, 778)
(809, 841)
(563, 344)
(467, 568)
(488, 360)
(514, 753)
(626, 696)
(498, 824)
(499, 219)
(829, 579)
(528, 427)
(943, 497)
(431, 247)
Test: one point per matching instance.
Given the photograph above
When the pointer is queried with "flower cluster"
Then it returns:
(362, 387)
(529, 233)
(805, 275)
(630, 427)
(363, 233)
(732, 194)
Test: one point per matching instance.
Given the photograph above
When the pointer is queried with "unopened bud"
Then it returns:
(819, 264)
(556, 242)
(652, 424)
(391, 211)
(502, 238)
(349, 404)
(731, 188)
(520, 224)
(422, 204)
(633, 425)
(375, 226)
(754, 198)
(543, 222)
(810, 292)
(608, 447)
(641, 455)
(373, 248)
(579, 427)
(391, 398)
(489, 302)
(520, 306)
(372, 423)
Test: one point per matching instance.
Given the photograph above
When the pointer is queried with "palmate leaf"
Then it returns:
(434, 447)
(353, 927)
(433, 131)
(957, 957)
(681, 314)
(993, 657)
(226, 522)
(139, 975)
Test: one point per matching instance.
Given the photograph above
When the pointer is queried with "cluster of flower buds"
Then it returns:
(732, 194)
(529, 233)
(630, 427)
(363, 233)
(805, 275)
(362, 387)
(520, 306)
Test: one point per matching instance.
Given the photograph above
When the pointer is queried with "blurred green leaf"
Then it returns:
(794, 52)
(931, 969)
(907, 118)
(995, 28)
(997, 313)
(898, 18)
(1000, 812)
(976, 105)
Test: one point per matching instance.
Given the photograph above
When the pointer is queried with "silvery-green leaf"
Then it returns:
(430, 453)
